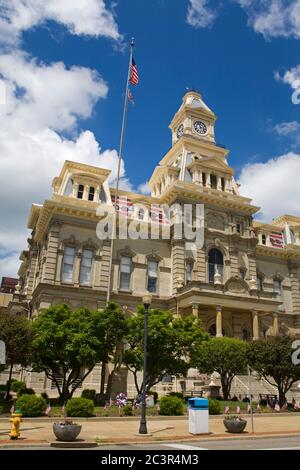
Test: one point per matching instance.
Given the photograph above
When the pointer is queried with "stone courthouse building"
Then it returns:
(243, 281)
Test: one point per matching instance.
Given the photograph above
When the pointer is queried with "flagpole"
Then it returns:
(132, 43)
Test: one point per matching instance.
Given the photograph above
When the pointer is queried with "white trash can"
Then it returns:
(198, 415)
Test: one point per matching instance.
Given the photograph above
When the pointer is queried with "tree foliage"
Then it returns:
(227, 356)
(15, 331)
(170, 341)
(271, 358)
(69, 343)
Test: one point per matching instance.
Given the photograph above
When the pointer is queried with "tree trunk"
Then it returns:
(225, 388)
(109, 385)
(103, 373)
(8, 384)
(282, 398)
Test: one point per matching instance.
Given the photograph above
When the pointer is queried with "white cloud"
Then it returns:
(80, 17)
(289, 130)
(42, 101)
(273, 18)
(144, 188)
(273, 185)
(199, 14)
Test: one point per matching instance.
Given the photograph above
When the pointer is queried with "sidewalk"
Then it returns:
(34, 432)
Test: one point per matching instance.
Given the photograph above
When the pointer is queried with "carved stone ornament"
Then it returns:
(236, 285)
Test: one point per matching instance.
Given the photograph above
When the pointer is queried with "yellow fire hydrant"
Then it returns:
(16, 419)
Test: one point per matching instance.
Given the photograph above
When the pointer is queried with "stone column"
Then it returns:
(178, 263)
(208, 183)
(195, 310)
(275, 324)
(219, 328)
(219, 183)
(255, 325)
(75, 189)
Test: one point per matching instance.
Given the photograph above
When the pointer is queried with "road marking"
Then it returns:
(182, 447)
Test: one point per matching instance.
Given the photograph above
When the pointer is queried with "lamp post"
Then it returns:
(147, 299)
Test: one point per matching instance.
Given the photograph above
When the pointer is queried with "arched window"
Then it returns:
(246, 334)
(86, 267)
(213, 330)
(215, 263)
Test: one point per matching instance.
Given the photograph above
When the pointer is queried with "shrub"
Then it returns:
(45, 396)
(246, 400)
(127, 410)
(17, 386)
(171, 406)
(31, 405)
(263, 402)
(80, 407)
(27, 391)
(214, 407)
(3, 387)
(176, 394)
(235, 398)
(90, 394)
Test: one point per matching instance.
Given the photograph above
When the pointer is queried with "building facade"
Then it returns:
(242, 281)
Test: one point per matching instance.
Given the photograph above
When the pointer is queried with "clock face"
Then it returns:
(200, 127)
(180, 130)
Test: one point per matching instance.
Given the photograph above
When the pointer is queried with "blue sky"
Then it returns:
(242, 55)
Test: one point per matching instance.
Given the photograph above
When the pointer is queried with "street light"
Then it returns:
(147, 299)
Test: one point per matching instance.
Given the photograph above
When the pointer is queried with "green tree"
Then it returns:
(227, 356)
(15, 331)
(170, 341)
(68, 344)
(114, 327)
(271, 358)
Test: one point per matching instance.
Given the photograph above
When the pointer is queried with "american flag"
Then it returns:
(226, 410)
(124, 206)
(48, 409)
(134, 75)
(158, 215)
(130, 97)
(12, 409)
(276, 239)
(238, 410)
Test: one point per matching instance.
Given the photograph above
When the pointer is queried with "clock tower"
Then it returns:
(194, 119)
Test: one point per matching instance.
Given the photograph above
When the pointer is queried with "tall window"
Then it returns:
(259, 283)
(204, 179)
(223, 183)
(215, 263)
(152, 276)
(125, 272)
(242, 273)
(91, 193)
(263, 239)
(68, 264)
(86, 268)
(277, 286)
(188, 272)
(80, 191)
(213, 181)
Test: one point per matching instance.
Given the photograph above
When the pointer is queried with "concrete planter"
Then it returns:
(235, 426)
(66, 432)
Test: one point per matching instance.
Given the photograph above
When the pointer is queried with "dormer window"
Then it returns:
(223, 184)
(213, 181)
(203, 179)
(91, 193)
(80, 191)
(239, 228)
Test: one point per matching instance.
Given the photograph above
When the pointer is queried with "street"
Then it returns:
(274, 443)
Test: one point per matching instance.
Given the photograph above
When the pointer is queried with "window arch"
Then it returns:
(215, 263)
